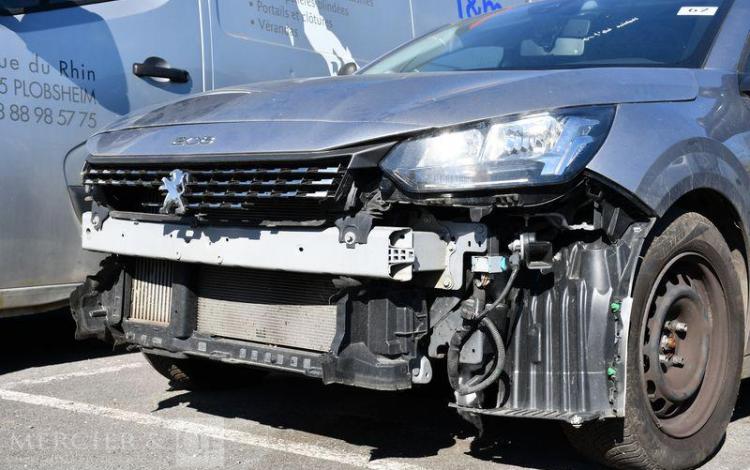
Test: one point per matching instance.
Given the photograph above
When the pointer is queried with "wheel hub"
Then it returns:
(676, 344)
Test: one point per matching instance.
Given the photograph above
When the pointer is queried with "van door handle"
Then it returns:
(156, 71)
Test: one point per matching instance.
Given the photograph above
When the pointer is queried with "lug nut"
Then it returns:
(676, 326)
(668, 343)
(678, 361)
(672, 361)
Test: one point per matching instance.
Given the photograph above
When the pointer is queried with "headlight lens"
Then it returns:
(539, 149)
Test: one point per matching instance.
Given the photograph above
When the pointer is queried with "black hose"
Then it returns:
(457, 342)
(459, 339)
(479, 383)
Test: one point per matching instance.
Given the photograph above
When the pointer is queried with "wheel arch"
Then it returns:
(724, 214)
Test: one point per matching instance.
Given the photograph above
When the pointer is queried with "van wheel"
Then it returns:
(684, 354)
(199, 374)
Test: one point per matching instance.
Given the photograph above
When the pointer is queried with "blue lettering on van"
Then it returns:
(470, 8)
(31, 98)
(74, 71)
(32, 89)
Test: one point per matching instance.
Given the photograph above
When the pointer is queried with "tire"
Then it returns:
(199, 374)
(676, 417)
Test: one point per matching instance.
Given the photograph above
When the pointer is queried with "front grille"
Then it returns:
(281, 309)
(247, 191)
(151, 294)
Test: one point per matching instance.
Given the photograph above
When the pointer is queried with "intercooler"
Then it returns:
(151, 299)
(283, 309)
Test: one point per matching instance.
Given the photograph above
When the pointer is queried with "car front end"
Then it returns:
(388, 229)
(373, 264)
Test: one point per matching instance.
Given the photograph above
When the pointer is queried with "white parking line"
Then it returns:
(215, 432)
(73, 375)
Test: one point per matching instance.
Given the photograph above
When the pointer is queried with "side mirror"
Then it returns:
(350, 68)
(745, 84)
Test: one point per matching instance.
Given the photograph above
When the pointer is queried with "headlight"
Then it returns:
(539, 149)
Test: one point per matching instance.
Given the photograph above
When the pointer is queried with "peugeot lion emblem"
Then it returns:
(174, 185)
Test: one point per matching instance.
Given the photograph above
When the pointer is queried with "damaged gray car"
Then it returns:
(546, 207)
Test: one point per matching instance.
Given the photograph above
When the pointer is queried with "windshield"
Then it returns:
(568, 34)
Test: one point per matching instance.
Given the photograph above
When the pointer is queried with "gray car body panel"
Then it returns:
(686, 146)
(327, 113)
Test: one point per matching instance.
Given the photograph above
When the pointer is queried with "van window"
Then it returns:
(18, 7)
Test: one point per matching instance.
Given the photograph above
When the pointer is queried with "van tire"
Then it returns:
(200, 374)
(686, 275)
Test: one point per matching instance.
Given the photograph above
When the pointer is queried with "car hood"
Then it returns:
(328, 113)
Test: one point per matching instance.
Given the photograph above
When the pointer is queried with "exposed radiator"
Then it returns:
(283, 309)
(151, 299)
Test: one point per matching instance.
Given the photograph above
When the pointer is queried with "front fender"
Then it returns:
(658, 152)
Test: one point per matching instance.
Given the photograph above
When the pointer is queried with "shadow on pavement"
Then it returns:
(42, 340)
(742, 410)
(410, 424)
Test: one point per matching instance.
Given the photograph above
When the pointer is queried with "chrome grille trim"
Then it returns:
(243, 191)
(151, 294)
(257, 182)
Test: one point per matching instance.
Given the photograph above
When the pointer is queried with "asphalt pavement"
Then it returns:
(80, 405)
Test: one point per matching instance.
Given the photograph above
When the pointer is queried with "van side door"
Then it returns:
(67, 69)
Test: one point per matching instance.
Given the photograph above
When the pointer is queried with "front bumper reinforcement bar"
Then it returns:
(394, 253)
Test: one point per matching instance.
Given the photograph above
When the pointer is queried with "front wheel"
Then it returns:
(685, 354)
